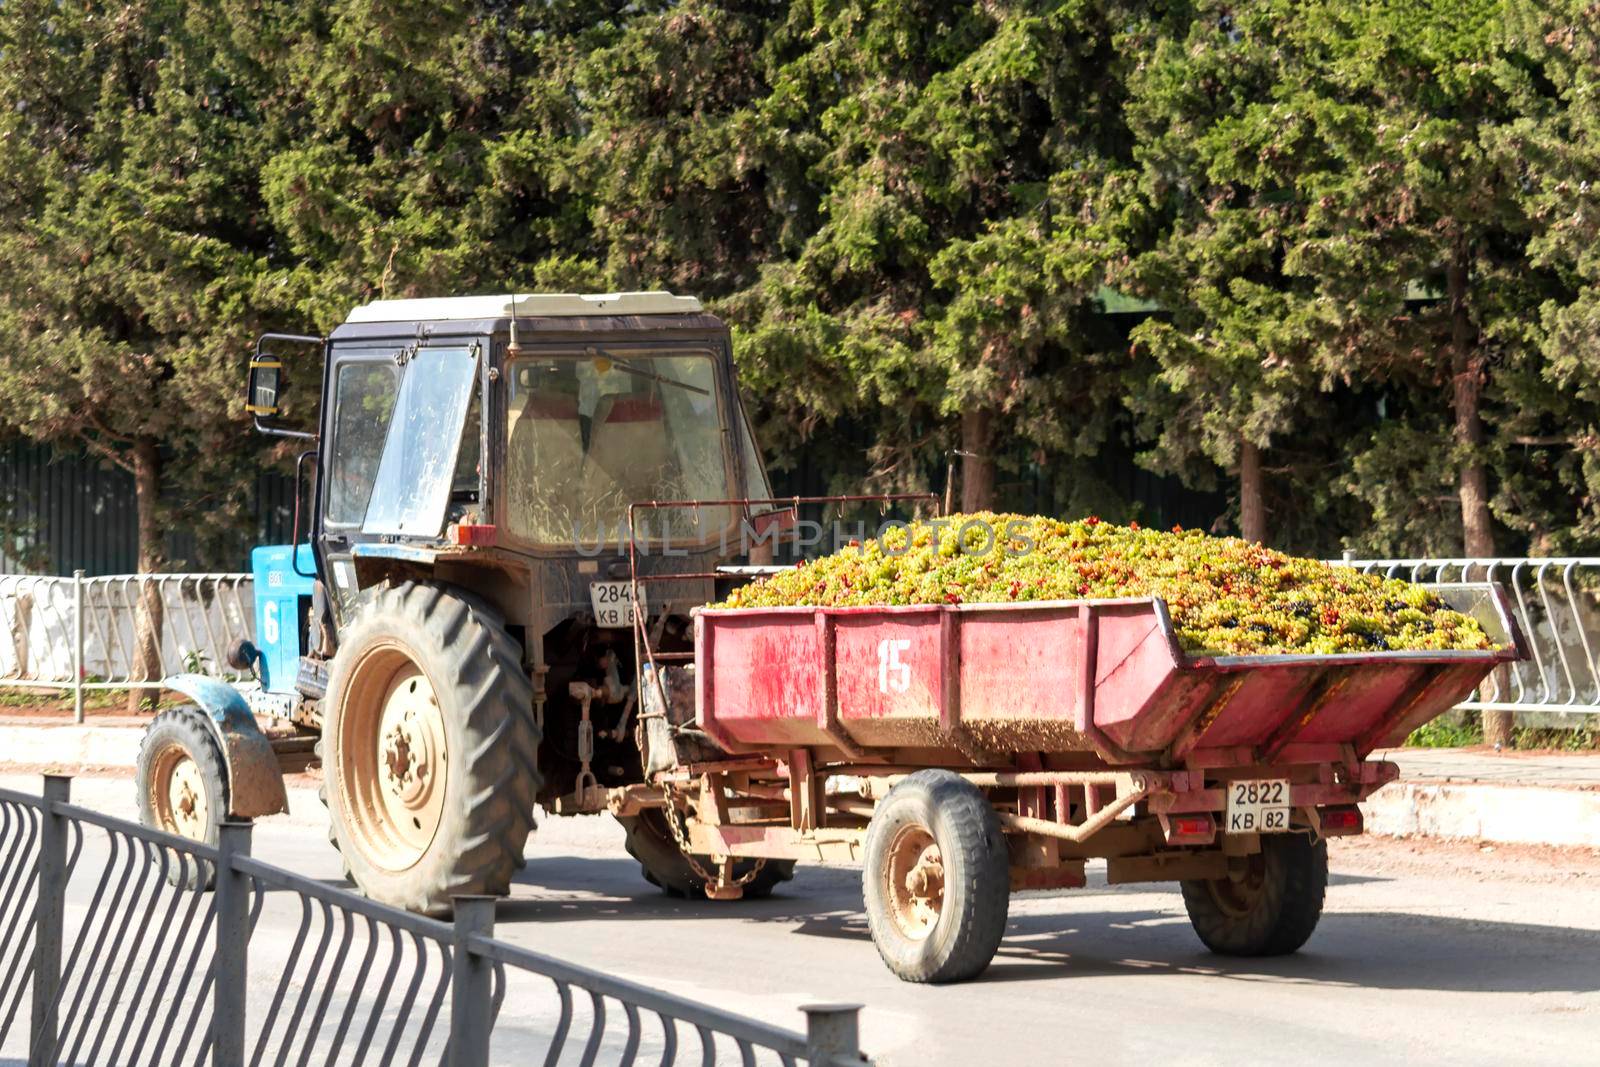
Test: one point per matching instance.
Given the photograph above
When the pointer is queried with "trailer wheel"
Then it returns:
(183, 787)
(1271, 908)
(664, 866)
(936, 878)
(428, 748)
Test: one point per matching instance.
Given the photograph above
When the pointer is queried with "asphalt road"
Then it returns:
(1426, 954)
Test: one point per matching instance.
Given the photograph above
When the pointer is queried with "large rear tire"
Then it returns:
(429, 748)
(1273, 905)
(936, 878)
(664, 865)
(183, 787)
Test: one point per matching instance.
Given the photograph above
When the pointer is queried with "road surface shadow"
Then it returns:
(1374, 950)
(1082, 937)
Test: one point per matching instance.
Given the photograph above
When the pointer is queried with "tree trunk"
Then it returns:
(977, 466)
(1477, 529)
(148, 618)
(1252, 511)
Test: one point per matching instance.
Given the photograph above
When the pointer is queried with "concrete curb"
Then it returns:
(70, 745)
(1507, 814)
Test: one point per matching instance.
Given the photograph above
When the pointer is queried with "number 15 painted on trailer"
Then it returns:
(893, 674)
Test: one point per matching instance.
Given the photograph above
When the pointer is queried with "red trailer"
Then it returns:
(961, 752)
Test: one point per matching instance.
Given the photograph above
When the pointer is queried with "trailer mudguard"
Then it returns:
(255, 782)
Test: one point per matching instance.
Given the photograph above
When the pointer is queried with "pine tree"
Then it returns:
(1222, 165)
(1559, 486)
(953, 229)
(1420, 256)
(128, 248)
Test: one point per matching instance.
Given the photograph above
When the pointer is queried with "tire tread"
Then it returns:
(1293, 891)
(494, 697)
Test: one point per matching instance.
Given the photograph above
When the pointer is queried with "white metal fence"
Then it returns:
(1556, 601)
(82, 633)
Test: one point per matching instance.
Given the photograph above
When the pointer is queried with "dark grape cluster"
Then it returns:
(1226, 596)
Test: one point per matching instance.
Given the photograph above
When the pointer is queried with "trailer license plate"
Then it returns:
(611, 603)
(1259, 806)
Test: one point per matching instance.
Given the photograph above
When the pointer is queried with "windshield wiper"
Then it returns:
(621, 364)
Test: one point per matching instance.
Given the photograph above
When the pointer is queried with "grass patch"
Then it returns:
(1583, 738)
(1448, 731)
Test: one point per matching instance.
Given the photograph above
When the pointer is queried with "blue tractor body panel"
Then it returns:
(284, 576)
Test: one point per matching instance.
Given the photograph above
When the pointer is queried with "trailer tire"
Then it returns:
(664, 865)
(182, 780)
(429, 748)
(1273, 909)
(936, 879)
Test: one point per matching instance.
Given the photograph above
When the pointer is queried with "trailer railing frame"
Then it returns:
(191, 954)
(1556, 603)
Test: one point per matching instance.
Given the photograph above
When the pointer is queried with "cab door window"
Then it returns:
(364, 395)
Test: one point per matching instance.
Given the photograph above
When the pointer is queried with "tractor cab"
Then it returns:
(457, 623)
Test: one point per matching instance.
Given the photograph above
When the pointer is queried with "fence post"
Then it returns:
(49, 908)
(471, 992)
(77, 645)
(833, 1033)
(230, 956)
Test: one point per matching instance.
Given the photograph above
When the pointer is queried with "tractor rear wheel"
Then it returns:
(1267, 908)
(183, 787)
(428, 748)
(665, 866)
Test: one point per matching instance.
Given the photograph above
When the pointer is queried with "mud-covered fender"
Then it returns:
(255, 781)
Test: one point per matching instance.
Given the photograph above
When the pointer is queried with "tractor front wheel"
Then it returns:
(428, 748)
(183, 787)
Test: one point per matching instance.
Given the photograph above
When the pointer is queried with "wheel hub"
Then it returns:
(915, 882)
(393, 759)
(179, 794)
(1238, 893)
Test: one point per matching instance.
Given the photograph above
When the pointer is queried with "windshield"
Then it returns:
(413, 484)
(590, 433)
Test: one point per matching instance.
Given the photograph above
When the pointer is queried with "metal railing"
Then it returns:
(1556, 602)
(122, 958)
(81, 633)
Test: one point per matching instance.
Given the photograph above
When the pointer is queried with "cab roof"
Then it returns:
(523, 305)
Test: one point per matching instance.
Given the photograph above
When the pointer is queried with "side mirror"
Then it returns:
(261, 398)
(266, 380)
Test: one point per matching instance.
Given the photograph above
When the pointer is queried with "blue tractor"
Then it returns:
(455, 631)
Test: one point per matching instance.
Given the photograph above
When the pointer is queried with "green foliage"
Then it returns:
(909, 211)
(1583, 735)
(1448, 731)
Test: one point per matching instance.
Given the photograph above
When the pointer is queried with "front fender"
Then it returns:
(255, 781)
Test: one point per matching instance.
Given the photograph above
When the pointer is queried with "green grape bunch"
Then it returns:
(1226, 596)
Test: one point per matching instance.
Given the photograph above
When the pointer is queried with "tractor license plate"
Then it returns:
(1258, 806)
(612, 603)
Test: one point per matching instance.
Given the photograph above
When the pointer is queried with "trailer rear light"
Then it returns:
(475, 535)
(1195, 829)
(1340, 821)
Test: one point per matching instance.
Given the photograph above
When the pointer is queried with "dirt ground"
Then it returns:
(1534, 864)
(57, 704)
